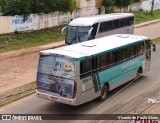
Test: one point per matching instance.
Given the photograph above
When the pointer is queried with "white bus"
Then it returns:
(79, 73)
(86, 28)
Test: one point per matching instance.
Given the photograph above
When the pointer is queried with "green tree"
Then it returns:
(3, 5)
(123, 3)
(72, 5)
(136, 0)
(127, 2)
(25, 7)
(108, 4)
(17, 7)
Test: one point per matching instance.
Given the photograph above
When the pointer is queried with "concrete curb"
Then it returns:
(146, 23)
(17, 93)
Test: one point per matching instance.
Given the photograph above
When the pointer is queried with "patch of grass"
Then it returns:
(157, 40)
(17, 93)
(142, 16)
(9, 42)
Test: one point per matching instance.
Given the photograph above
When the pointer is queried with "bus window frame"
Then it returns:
(126, 21)
(111, 54)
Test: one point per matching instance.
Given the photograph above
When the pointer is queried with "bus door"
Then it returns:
(147, 49)
(94, 31)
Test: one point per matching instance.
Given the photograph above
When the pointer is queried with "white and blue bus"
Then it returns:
(87, 28)
(79, 73)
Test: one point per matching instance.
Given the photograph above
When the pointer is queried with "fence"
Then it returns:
(144, 5)
(9, 24)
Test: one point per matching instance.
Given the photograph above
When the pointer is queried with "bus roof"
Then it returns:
(89, 21)
(85, 49)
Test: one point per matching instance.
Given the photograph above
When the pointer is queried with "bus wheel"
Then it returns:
(139, 72)
(104, 93)
(137, 75)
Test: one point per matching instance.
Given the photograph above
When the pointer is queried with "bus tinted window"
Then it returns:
(131, 20)
(110, 59)
(115, 24)
(103, 60)
(85, 67)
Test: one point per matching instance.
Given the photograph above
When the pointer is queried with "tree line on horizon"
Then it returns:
(26, 7)
(118, 3)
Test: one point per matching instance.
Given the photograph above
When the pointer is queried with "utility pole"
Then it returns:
(152, 7)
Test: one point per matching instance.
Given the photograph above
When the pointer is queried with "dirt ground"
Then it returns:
(18, 68)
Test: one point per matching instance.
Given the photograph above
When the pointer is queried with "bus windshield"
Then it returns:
(77, 34)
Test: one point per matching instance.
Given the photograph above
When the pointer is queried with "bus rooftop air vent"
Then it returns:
(123, 36)
(88, 45)
(116, 14)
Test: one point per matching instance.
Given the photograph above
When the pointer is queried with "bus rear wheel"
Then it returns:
(139, 72)
(104, 93)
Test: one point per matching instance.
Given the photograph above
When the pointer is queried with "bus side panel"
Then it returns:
(121, 73)
(88, 88)
(123, 30)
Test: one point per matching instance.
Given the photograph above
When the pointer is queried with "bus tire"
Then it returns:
(103, 94)
(139, 72)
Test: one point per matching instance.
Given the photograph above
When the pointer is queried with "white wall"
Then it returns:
(135, 6)
(9, 24)
(146, 5)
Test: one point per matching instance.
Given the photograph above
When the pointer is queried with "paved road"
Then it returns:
(152, 31)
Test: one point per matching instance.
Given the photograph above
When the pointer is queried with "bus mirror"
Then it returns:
(62, 31)
(89, 33)
(154, 46)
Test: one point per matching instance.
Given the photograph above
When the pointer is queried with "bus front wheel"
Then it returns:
(104, 93)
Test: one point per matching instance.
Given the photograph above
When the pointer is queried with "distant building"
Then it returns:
(85, 3)
(87, 7)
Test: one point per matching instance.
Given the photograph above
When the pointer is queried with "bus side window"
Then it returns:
(124, 54)
(110, 25)
(81, 69)
(131, 51)
(98, 62)
(140, 48)
(135, 50)
(131, 21)
(119, 55)
(122, 23)
(94, 31)
(127, 53)
(85, 67)
(115, 24)
(108, 62)
(103, 60)
(103, 26)
(94, 64)
(114, 57)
